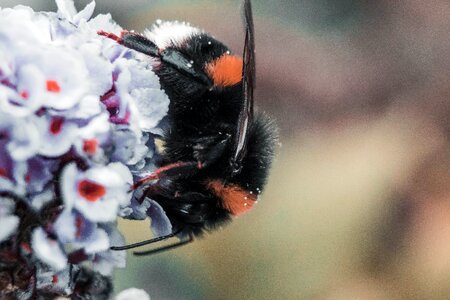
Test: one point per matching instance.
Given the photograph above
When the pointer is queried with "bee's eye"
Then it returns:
(205, 48)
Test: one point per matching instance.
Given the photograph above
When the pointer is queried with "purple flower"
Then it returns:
(140, 210)
(73, 228)
(160, 223)
(78, 114)
(38, 174)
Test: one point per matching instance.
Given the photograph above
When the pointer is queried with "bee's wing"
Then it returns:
(248, 84)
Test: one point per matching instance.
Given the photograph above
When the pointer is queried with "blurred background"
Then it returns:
(358, 203)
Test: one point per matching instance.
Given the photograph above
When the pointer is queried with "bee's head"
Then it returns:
(193, 62)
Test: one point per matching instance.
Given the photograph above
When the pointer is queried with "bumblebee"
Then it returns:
(217, 149)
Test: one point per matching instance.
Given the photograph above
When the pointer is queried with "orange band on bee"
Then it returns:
(234, 198)
(225, 70)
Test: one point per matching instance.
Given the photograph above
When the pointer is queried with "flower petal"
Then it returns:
(160, 223)
(133, 294)
(8, 224)
(48, 250)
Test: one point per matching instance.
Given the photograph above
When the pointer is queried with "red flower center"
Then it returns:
(55, 279)
(24, 95)
(3, 172)
(53, 86)
(56, 125)
(79, 223)
(90, 146)
(90, 190)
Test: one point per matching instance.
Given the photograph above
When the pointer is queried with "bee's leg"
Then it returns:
(159, 189)
(164, 248)
(205, 156)
(208, 150)
(133, 41)
(143, 243)
(170, 170)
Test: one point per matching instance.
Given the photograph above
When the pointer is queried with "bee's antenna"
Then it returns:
(146, 242)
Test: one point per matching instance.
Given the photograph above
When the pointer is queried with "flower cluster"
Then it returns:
(78, 116)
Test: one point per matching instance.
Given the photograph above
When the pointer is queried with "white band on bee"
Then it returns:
(170, 33)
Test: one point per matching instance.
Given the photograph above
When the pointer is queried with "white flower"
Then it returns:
(67, 10)
(63, 75)
(20, 135)
(57, 134)
(48, 250)
(32, 28)
(97, 193)
(26, 98)
(150, 115)
(133, 294)
(98, 67)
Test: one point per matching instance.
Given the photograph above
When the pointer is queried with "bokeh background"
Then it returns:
(358, 203)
